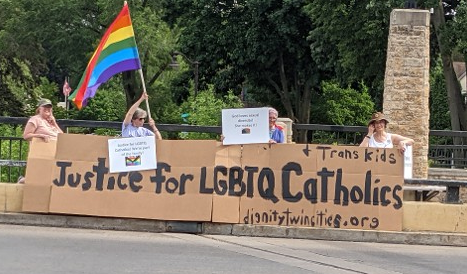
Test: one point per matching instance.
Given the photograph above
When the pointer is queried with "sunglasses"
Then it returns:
(141, 119)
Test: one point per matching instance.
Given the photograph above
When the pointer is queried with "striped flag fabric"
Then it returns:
(116, 52)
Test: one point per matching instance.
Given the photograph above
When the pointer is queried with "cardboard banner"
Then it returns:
(132, 154)
(245, 126)
(288, 184)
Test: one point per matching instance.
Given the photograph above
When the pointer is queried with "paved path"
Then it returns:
(26, 249)
(100, 223)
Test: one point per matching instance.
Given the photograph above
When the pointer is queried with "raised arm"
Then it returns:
(366, 139)
(133, 108)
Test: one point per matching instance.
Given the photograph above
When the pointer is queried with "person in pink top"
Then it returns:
(43, 125)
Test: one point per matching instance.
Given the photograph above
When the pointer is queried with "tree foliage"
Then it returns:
(15, 80)
(12, 151)
(439, 107)
(349, 40)
(314, 60)
(260, 44)
(451, 36)
(344, 106)
(206, 110)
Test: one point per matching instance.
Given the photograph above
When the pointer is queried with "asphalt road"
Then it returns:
(25, 249)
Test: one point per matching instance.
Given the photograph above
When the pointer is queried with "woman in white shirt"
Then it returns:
(132, 126)
(378, 137)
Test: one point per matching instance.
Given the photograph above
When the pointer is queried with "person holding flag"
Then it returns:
(117, 52)
(134, 120)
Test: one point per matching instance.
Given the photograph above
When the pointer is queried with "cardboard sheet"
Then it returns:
(283, 184)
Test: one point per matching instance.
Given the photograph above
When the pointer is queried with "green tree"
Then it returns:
(57, 38)
(156, 41)
(344, 106)
(14, 80)
(206, 110)
(439, 106)
(349, 40)
(258, 43)
(445, 39)
(12, 151)
(43, 39)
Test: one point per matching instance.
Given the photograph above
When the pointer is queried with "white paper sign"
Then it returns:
(408, 162)
(132, 154)
(245, 126)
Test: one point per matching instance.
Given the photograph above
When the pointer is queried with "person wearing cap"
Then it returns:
(43, 125)
(378, 137)
(134, 120)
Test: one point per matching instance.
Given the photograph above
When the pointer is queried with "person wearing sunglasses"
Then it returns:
(134, 120)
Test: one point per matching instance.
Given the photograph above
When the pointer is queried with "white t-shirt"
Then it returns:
(386, 144)
(132, 131)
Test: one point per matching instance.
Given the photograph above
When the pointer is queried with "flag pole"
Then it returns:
(66, 103)
(142, 77)
(66, 100)
(144, 90)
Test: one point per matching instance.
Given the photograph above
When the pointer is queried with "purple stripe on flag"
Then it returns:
(130, 64)
(89, 93)
(126, 65)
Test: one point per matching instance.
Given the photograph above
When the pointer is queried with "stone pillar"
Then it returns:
(406, 82)
(286, 123)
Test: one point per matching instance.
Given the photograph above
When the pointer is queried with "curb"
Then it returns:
(155, 226)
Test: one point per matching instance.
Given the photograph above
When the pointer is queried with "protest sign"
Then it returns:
(245, 126)
(131, 154)
(201, 180)
(408, 162)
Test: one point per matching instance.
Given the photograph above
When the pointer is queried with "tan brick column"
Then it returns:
(406, 83)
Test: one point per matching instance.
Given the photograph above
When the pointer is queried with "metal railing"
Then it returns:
(452, 187)
(447, 149)
(13, 155)
(332, 134)
(13, 150)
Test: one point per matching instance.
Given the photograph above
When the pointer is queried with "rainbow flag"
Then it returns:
(116, 52)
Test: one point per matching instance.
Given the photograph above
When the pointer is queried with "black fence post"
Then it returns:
(452, 195)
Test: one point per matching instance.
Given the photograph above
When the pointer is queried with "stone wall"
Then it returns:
(449, 174)
(286, 124)
(406, 84)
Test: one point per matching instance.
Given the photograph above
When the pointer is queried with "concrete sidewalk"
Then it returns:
(68, 221)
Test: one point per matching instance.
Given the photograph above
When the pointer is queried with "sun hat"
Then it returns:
(378, 116)
(44, 103)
